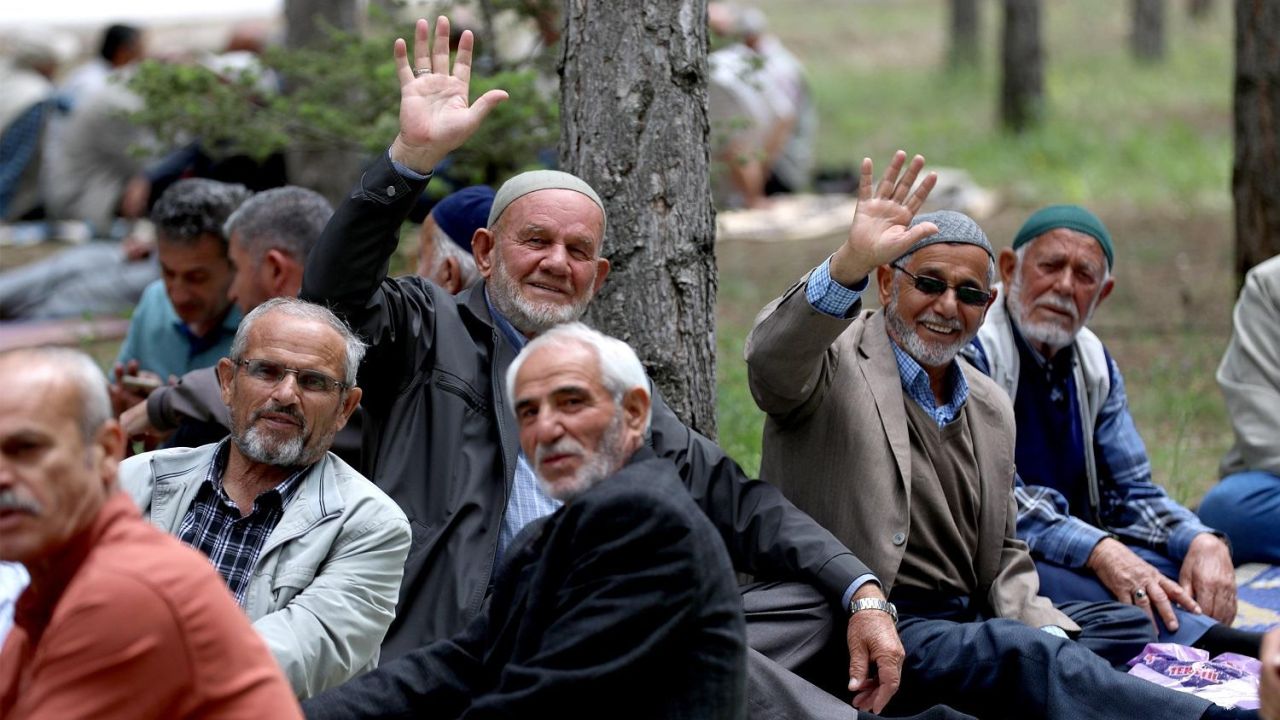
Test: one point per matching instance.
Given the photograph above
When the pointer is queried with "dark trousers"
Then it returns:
(796, 643)
(997, 668)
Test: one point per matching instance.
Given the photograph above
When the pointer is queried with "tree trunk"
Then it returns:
(964, 34)
(1199, 9)
(1146, 40)
(1022, 63)
(1255, 181)
(633, 123)
(328, 172)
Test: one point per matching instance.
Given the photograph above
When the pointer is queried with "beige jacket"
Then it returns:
(836, 409)
(1250, 374)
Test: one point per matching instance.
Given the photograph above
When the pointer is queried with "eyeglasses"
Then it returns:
(272, 373)
(934, 286)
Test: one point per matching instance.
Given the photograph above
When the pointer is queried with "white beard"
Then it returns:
(1050, 334)
(926, 353)
(528, 317)
(596, 466)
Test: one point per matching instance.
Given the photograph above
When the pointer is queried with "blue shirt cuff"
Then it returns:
(858, 582)
(830, 297)
(405, 171)
(1055, 631)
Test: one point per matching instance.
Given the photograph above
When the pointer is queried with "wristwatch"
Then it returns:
(874, 604)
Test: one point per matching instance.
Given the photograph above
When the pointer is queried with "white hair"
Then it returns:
(443, 248)
(353, 347)
(620, 369)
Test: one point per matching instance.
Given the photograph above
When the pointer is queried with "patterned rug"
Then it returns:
(1259, 592)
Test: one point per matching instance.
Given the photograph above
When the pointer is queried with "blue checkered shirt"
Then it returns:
(527, 501)
(213, 524)
(18, 145)
(915, 383)
(830, 297)
(1131, 505)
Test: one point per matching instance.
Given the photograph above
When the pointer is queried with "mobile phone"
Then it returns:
(140, 383)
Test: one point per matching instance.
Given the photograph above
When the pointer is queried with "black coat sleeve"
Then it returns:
(347, 271)
(196, 398)
(766, 535)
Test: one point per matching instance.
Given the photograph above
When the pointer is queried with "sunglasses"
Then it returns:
(933, 286)
(272, 373)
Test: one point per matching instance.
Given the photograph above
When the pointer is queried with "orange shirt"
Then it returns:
(128, 623)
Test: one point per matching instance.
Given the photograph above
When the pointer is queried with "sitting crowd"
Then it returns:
(441, 494)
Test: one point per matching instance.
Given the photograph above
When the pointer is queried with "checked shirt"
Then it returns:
(213, 524)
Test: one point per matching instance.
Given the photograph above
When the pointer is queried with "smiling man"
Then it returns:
(909, 457)
(120, 622)
(311, 550)
(627, 585)
(1096, 523)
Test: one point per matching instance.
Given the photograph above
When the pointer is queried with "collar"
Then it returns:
(199, 343)
(915, 382)
(284, 491)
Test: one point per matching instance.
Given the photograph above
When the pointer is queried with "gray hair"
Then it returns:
(193, 208)
(444, 248)
(620, 368)
(303, 310)
(82, 372)
(288, 218)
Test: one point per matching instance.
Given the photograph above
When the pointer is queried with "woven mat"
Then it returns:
(1259, 593)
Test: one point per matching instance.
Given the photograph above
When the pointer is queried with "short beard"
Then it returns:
(596, 466)
(926, 353)
(525, 316)
(1050, 334)
(296, 451)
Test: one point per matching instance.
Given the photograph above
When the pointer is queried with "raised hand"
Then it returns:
(879, 234)
(435, 114)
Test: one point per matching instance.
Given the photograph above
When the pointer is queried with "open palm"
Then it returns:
(880, 232)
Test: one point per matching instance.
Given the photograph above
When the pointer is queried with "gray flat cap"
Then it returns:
(953, 228)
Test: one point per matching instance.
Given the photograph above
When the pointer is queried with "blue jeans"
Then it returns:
(1062, 584)
(1246, 506)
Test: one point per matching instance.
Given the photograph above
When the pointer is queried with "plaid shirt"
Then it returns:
(213, 524)
(1131, 506)
(18, 146)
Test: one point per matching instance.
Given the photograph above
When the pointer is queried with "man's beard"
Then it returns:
(596, 466)
(295, 451)
(928, 354)
(1048, 333)
(528, 317)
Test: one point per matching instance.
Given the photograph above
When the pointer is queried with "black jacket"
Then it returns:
(440, 439)
(621, 604)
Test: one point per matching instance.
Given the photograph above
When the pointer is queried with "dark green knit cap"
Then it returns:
(1071, 217)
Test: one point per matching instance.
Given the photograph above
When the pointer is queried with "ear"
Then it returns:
(884, 283)
(226, 372)
(348, 406)
(635, 406)
(279, 271)
(450, 277)
(602, 272)
(1107, 287)
(1007, 263)
(109, 444)
(482, 247)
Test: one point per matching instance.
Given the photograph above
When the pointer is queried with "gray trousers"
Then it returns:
(90, 279)
(792, 634)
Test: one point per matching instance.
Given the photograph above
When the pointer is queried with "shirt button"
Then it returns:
(391, 190)
(899, 538)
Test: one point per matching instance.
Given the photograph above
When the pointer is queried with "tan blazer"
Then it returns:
(836, 443)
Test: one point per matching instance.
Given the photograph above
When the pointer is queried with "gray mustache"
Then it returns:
(9, 501)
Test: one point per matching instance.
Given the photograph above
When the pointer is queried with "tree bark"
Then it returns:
(633, 124)
(328, 172)
(964, 34)
(1022, 63)
(1146, 40)
(1255, 181)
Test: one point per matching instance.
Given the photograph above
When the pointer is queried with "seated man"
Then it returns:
(622, 603)
(268, 240)
(1246, 504)
(444, 250)
(1096, 524)
(909, 458)
(185, 321)
(311, 550)
(120, 622)
(438, 440)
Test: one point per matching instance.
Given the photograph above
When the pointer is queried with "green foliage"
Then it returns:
(342, 95)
